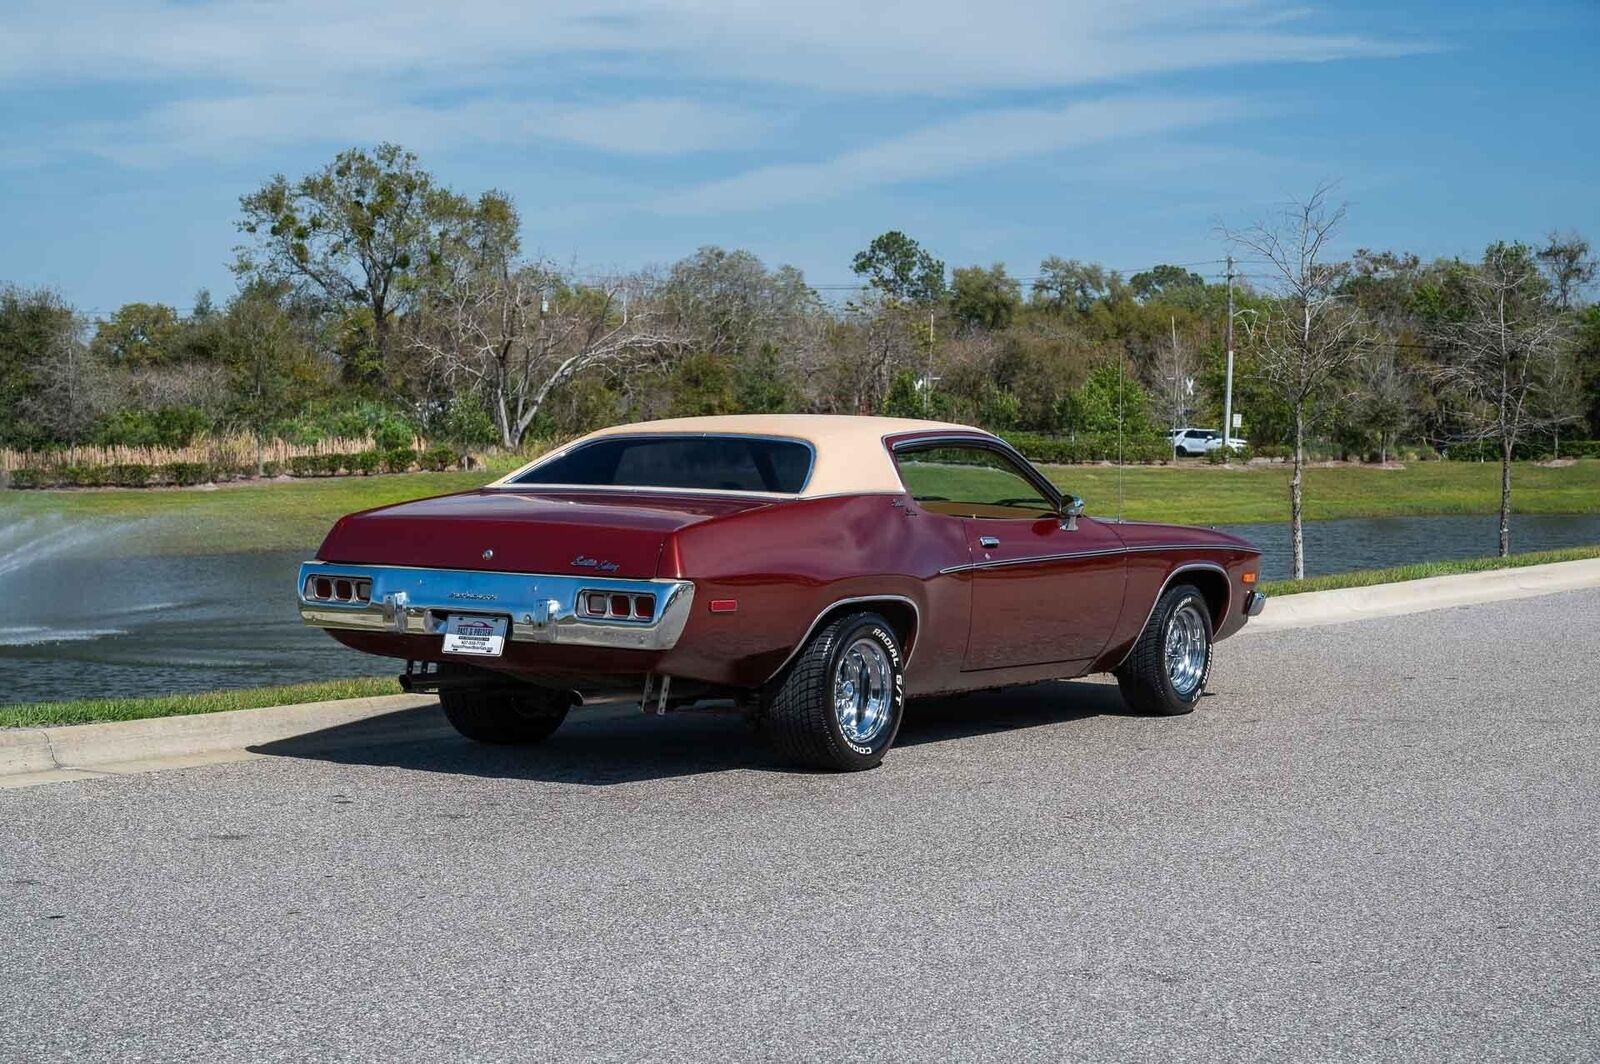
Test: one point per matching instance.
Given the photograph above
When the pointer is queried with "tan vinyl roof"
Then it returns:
(850, 455)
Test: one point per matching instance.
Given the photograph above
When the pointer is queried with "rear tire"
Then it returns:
(506, 718)
(1166, 672)
(839, 704)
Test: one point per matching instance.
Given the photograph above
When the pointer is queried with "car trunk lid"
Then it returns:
(499, 530)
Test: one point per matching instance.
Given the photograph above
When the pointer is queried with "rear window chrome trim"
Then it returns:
(513, 479)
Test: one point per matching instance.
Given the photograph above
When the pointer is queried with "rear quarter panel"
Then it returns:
(787, 564)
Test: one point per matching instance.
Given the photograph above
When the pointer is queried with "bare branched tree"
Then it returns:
(1504, 360)
(878, 337)
(1384, 404)
(1176, 368)
(514, 332)
(1312, 335)
(73, 386)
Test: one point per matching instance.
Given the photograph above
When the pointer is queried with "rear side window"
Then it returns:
(716, 463)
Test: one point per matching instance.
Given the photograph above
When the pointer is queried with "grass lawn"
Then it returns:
(1421, 570)
(39, 714)
(294, 515)
(1202, 494)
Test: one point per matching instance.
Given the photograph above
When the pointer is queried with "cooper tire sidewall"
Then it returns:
(876, 628)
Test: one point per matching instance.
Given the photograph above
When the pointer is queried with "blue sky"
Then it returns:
(629, 135)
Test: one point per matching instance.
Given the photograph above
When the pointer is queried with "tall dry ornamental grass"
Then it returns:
(230, 452)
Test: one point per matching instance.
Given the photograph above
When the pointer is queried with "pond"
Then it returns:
(1381, 542)
(88, 614)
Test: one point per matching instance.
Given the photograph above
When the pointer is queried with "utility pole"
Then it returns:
(1227, 389)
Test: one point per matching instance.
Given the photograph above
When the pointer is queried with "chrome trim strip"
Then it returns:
(543, 608)
(1226, 606)
(1001, 563)
(812, 627)
(513, 479)
(1143, 549)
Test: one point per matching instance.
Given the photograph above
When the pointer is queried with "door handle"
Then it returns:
(988, 541)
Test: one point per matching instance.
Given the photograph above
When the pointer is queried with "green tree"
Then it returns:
(32, 321)
(897, 266)
(1586, 354)
(138, 334)
(1163, 281)
(268, 365)
(1110, 401)
(905, 398)
(359, 233)
(984, 298)
(702, 385)
(1570, 266)
(1067, 284)
(764, 383)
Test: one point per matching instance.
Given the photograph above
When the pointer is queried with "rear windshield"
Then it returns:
(719, 463)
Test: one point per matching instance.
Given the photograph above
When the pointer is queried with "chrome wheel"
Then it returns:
(1187, 649)
(863, 691)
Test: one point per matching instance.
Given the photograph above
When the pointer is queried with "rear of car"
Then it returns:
(568, 552)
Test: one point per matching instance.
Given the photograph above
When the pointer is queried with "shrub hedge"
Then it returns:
(398, 460)
(1526, 450)
(439, 459)
(1075, 450)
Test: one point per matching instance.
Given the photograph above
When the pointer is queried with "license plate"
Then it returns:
(483, 636)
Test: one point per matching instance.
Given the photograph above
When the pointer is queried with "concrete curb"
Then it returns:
(1315, 608)
(79, 751)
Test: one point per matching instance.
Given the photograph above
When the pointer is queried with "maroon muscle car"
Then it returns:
(816, 571)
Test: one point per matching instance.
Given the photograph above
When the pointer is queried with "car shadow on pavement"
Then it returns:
(611, 745)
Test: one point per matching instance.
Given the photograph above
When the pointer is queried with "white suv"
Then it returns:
(1194, 442)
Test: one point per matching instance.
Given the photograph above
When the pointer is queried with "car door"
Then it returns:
(1041, 593)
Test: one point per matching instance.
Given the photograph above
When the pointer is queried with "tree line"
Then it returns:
(370, 296)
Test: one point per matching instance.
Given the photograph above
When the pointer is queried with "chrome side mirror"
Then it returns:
(1071, 510)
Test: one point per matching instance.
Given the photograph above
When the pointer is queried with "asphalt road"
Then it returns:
(1376, 841)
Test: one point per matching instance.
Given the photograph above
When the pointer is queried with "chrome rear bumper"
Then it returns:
(542, 608)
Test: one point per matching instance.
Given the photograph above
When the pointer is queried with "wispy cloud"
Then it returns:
(237, 127)
(234, 77)
(974, 140)
(937, 46)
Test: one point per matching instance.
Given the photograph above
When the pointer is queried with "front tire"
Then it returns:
(506, 718)
(1166, 672)
(839, 704)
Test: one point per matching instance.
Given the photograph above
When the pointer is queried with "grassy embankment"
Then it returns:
(1423, 570)
(94, 710)
(294, 515)
(47, 713)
